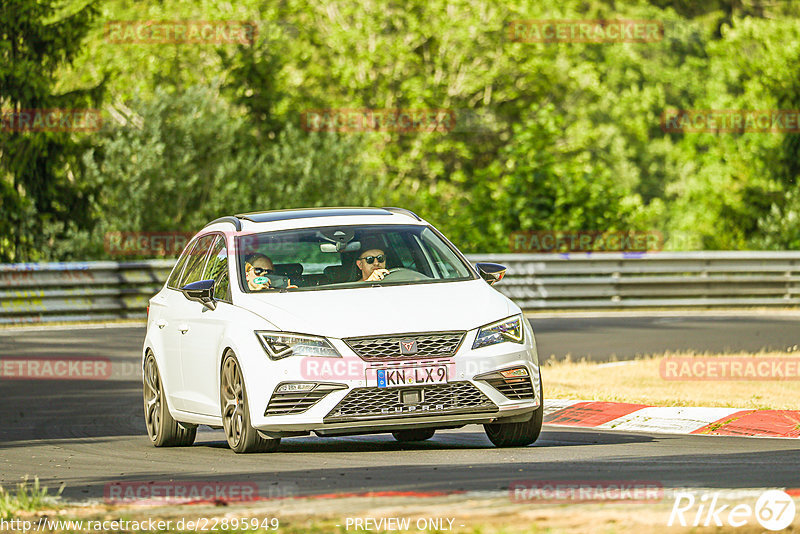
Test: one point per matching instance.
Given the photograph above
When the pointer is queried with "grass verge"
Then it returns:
(27, 498)
(462, 514)
(641, 381)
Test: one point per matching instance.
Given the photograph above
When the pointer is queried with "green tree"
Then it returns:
(736, 190)
(606, 98)
(547, 135)
(40, 199)
(173, 162)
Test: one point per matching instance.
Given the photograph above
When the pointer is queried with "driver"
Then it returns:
(372, 264)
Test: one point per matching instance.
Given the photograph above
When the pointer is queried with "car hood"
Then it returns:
(366, 311)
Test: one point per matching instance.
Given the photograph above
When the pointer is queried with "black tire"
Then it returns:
(163, 430)
(417, 434)
(242, 438)
(518, 434)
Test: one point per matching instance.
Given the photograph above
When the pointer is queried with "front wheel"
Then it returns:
(418, 434)
(164, 431)
(518, 434)
(242, 437)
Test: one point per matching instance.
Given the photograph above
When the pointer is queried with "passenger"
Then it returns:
(256, 265)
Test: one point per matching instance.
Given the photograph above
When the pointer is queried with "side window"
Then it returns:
(197, 260)
(447, 264)
(178, 269)
(214, 258)
(402, 254)
(217, 268)
(444, 268)
(222, 288)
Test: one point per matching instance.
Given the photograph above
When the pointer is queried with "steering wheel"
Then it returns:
(401, 274)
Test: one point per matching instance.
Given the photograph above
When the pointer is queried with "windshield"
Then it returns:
(346, 257)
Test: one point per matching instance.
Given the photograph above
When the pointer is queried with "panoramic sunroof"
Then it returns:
(285, 215)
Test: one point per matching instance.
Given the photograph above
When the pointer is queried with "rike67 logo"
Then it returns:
(774, 510)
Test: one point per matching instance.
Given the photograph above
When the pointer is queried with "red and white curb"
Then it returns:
(673, 419)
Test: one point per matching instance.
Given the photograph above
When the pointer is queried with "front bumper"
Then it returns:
(356, 405)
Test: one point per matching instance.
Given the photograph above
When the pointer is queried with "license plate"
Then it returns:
(411, 376)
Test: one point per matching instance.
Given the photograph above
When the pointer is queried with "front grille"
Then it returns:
(294, 402)
(429, 345)
(514, 388)
(452, 398)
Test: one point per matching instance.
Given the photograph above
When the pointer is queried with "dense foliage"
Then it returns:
(42, 194)
(546, 136)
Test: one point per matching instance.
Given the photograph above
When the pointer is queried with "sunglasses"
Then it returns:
(370, 259)
(259, 271)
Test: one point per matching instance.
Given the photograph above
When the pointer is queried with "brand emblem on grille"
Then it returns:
(408, 346)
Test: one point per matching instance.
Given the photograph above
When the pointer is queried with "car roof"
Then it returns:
(334, 215)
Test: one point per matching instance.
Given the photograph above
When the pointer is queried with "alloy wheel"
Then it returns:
(152, 398)
(233, 402)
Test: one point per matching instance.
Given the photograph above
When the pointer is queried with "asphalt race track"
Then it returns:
(87, 434)
(600, 337)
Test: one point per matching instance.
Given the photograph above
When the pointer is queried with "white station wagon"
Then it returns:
(336, 321)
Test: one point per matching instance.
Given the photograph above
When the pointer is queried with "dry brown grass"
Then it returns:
(640, 381)
(496, 514)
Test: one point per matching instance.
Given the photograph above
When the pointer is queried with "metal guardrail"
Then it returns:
(96, 290)
(32, 293)
(647, 280)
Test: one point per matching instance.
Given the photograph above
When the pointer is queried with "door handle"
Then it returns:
(183, 328)
(161, 323)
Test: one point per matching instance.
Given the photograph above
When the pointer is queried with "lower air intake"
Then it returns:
(382, 403)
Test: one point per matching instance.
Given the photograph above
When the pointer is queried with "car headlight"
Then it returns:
(506, 330)
(279, 345)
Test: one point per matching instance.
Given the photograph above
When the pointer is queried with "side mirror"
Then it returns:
(491, 272)
(201, 291)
